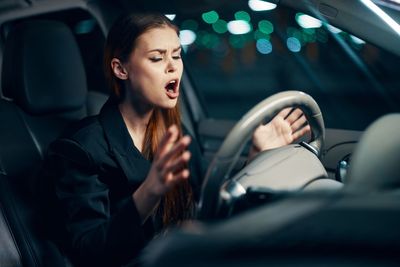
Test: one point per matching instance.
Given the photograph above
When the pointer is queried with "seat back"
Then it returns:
(44, 89)
(375, 164)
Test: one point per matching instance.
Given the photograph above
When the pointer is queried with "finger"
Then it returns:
(284, 112)
(174, 178)
(298, 124)
(167, 140)
(175, 151)
(184, 174)
(294, 116)
(179, 163)
(301, 132)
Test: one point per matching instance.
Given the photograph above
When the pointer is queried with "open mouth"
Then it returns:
(172, 89)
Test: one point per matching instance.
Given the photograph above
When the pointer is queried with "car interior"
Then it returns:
(332, 214)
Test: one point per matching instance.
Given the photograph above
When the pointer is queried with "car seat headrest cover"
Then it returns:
(43, 70)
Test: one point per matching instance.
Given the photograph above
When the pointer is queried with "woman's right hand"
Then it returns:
(169, 167)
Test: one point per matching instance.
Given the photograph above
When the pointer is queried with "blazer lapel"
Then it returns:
(121, 146)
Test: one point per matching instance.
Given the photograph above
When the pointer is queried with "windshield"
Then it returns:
(237, 56)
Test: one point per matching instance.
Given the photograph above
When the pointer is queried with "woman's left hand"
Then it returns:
(285, 128)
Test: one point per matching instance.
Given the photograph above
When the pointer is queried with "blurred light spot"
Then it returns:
(170, 16)
(242, 15)
(293, 44)
(210, 17)
(220, 26)
(293, 32)
(265, 26)
(307, 21)
(333, 29)
(199, 37)
(261, 35)
(189, 25)
(187, 37)
(239, 27)
(264, 46)
(185, 48)
(259, 5)
(210, 40)
(322, 35)
(85, 26)
(357, 40)
(308, 36)
(237, 41)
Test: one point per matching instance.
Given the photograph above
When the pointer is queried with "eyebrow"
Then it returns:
(162, 51)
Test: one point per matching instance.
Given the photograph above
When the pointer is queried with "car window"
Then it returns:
(237, 57)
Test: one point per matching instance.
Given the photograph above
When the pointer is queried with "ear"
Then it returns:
(118, 69)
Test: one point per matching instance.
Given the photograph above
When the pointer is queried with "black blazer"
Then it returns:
(94, 168)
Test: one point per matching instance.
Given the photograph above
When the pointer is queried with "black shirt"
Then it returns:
(94, 168)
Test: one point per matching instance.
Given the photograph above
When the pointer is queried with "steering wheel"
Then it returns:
(221, 166)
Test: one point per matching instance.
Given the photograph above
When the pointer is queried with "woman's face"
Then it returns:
(154, 69)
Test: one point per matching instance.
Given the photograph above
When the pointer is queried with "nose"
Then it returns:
(171, 66)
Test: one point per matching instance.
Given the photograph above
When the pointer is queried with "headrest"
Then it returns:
(375, 164)
(42, 67)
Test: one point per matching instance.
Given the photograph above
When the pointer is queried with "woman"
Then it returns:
(122, 176)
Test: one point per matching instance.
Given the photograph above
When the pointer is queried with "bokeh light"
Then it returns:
(239, 27)
(261, 35)
(170, 16)
(187, 37)
(306, 21)
(333, 29)
(210, 17)
(264, 46)
(265, 26)
(220, 26)
(259, 5)
(357, 40)
(210, 40)
(237, 41)
(242, 15)
(293, 44)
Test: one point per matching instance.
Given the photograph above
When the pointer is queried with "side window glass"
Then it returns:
(237, 57)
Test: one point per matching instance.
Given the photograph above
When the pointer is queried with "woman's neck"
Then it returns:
(136, 122)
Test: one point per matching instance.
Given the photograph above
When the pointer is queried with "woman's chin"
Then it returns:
(171, 103)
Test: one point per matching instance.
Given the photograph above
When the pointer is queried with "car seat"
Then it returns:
(374, 166)
(44, 89)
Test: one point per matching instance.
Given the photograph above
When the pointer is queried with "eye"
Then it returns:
(176, 57)
(155, 59)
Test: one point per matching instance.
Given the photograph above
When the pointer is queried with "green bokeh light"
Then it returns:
(237, 41)
(220, 26)
(308, 36)
(322, 35)
(293, 32)
(242, 15)
(210, 17)
(265, 26)
(261, 35)
(190, 24)
(209, 40)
